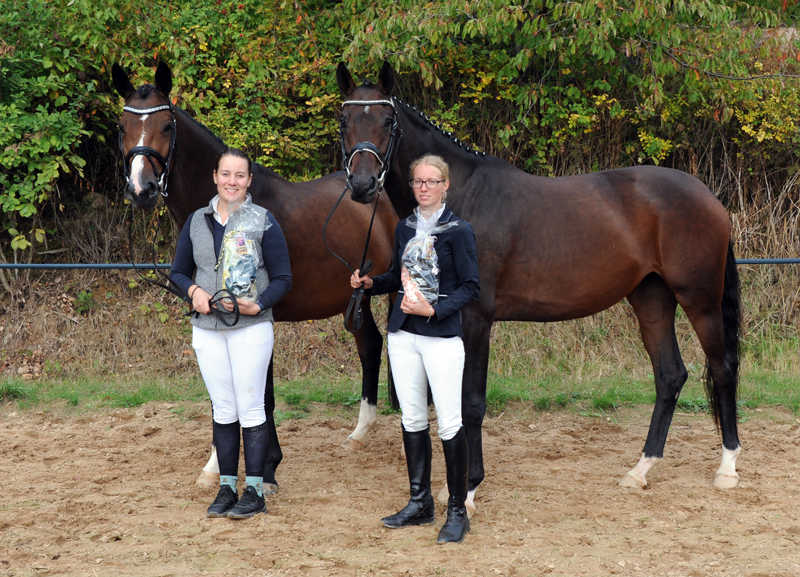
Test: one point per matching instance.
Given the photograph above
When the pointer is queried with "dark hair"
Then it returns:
(227, 151)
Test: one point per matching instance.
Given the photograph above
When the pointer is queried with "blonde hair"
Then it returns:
(433, 160)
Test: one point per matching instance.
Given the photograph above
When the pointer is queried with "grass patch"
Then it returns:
(86, 394)
(16, 390)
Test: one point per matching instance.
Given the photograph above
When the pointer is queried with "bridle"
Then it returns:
(385, 160)
(353, 317)
(163, 179)
(150, 153)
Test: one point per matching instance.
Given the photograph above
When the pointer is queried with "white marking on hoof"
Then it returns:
(367, 417)
(269, 489)
(727, 477)
(470, 503)
(636, 478)
(210, 475)
(443, 496)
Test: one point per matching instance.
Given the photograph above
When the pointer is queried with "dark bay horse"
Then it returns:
(553, 249)
(319, 286)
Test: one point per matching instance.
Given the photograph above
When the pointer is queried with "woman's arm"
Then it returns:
(183, 264)
(276, 259)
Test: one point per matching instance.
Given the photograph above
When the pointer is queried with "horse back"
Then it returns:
(566, 247)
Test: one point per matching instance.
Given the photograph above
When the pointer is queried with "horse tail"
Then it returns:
(731, 326)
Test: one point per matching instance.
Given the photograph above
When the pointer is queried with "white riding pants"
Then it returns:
(234, 365)
(418, 361)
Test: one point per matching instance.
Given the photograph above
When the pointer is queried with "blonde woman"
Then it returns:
(435, 272)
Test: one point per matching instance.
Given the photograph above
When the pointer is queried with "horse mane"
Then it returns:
(413, 109)
(196, 122)
(146, 90)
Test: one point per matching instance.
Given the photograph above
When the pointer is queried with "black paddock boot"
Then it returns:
(226, 498)
(456, 458)
(420, 509)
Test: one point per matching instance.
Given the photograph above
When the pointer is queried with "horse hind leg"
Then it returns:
(655, 305)
(721, 349)
(369, 344)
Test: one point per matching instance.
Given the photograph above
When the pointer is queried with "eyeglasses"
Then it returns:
(430, 183)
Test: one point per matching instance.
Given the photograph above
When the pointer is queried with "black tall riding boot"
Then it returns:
(420, 509)
(456, 458)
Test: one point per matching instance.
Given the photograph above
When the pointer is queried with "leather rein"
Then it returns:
(354, 316)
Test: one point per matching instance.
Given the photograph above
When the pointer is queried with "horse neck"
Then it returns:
(420, 137)
(191, 185)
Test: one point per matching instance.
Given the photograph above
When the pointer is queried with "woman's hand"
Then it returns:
(245, 307)
(356, 281)
(422, 308)
(200, 300)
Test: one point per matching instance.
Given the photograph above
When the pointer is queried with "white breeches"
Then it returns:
(234, 365)
(419, 360)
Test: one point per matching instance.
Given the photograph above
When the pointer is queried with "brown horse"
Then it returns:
(552, 249)
(163, 145)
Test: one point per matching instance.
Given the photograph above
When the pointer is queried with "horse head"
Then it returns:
(146, 135)
(369, 132)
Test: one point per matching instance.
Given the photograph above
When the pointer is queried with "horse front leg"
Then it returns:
(369, 344)
(477, 327)
(274, 453)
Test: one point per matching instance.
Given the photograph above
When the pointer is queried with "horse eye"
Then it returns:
(168, 128)
(388, 122)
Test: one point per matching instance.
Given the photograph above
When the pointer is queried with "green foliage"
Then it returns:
(555, 87)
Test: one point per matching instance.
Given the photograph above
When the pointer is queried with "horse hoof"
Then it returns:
(269, 489)
(724, 481)
(352, 444)
(630, 481)
(444, 496)
(207, 479)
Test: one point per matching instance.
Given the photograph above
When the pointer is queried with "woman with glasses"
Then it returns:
(435, 272)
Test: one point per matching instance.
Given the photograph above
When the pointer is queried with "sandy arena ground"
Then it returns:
(114, 495)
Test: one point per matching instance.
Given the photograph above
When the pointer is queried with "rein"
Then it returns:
(150, 153)
(354, 316)
(218, 297)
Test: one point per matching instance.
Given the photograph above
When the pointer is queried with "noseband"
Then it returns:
(384, 160)
(150, 153)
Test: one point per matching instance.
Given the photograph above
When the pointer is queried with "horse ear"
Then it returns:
(386, 78)
(122, 84)
(345, 79)
(163, 78)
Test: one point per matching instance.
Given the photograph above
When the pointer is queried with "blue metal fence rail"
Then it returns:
(67, 266)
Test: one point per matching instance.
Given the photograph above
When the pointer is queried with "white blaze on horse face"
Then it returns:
(137, 164)
(366, 110)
